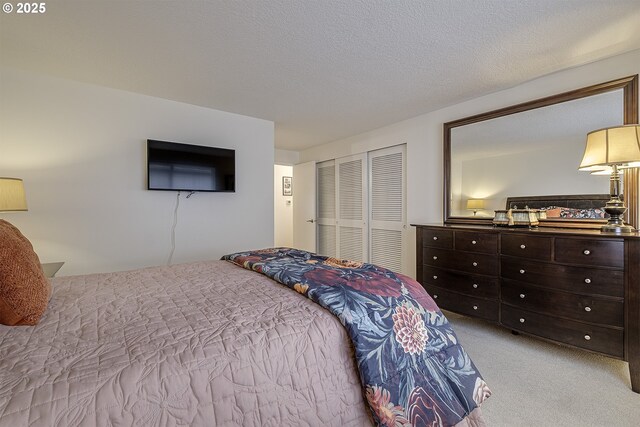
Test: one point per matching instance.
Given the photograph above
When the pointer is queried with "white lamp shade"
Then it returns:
(12, 197)
(475, 204)
(611, 146)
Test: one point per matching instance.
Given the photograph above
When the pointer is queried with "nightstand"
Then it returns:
(51, 268)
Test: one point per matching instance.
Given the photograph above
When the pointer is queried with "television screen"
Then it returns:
(184, 167)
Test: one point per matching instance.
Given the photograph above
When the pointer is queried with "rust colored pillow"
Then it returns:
(24, 291)
(553, 212)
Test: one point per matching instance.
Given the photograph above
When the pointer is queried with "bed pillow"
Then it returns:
(24, 290)
(593, 213)
(552, 211)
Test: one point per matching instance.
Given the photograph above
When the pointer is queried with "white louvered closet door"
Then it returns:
(387, 192)
(326, 209)
(351, 208)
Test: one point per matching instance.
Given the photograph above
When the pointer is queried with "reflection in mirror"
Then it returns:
(550, 126)
(534, 152)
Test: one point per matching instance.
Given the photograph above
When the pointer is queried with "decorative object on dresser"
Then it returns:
(502, 217)
(525, 217)
(614, 148)
(517, 217)
(575, 287)
(12, 197)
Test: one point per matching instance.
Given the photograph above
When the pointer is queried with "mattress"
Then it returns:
(205, 343)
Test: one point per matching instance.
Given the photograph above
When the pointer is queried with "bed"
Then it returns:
(204, 343)
(581, 206)
(568, 211)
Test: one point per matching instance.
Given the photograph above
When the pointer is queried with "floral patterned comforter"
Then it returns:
(413, 370)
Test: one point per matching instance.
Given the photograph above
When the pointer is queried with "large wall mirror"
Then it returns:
(534, 149)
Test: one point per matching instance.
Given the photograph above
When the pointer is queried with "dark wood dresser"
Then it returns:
(576, 287)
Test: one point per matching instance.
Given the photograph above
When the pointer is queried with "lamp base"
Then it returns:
(618, 229)
(615, 208)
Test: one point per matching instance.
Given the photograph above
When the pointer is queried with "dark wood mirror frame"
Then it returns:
(629, 86)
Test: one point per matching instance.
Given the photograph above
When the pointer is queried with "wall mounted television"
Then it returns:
(173, 166)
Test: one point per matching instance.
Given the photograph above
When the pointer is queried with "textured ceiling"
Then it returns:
(322, 70)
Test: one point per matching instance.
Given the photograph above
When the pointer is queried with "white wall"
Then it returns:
(495, 178)
(423, 134)
(283, 208)
(286, 157)
(81, 152)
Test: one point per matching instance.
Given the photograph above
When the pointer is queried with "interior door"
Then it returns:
(304, 206)
(387, 216)
(351, 200)
(326, 219)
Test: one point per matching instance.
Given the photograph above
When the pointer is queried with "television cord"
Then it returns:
(173, 229)
(175, 223)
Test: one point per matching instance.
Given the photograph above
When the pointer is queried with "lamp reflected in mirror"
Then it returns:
(610, 151)
(475, 205)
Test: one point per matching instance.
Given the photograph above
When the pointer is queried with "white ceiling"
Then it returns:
(322, 70)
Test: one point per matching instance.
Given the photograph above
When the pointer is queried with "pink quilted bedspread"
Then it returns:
(198, 344)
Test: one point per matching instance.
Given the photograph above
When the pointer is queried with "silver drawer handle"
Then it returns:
(473, 242)
(435, 257)
(587, 337)
(587, 281)
(586, 252)
(435, 237)
(475, 264)
(435, 277)
(475, 307)
(475, 286)
(587, 309)
(523, 246)
(522, 320)
(522, 295)
(521, 271)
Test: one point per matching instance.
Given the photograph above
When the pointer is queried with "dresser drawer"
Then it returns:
(478, 286)
(471, 241)
(562, 304)
(467, 262)
(605, 252)
(463, 304)
(585, 280)
(522, 245)
(437, 238)
(591, 337)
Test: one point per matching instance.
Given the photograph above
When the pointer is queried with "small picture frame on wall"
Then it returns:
(287, 186)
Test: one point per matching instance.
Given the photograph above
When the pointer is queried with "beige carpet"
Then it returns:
(535, 383)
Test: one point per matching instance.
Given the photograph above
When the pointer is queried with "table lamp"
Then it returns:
(12, 197)
(475, 205)
(616, 147)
